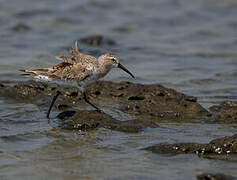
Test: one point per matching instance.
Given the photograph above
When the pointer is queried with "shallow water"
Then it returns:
(186, 45)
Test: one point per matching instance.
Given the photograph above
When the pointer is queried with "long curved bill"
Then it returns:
(125, 69)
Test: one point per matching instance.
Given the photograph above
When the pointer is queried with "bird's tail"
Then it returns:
(34, 72)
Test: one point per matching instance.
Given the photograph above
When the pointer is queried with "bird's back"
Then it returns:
(65, 71)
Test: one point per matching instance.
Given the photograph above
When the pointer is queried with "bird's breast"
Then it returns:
(88, 80)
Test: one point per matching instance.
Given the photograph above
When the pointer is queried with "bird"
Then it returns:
(80, 69)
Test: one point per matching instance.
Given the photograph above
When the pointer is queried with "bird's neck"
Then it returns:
(103, 69)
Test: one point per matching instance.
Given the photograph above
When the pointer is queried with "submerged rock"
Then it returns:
(126, 28)
(148, 102)
(97, 40)
(215, 149)
(211, 176)
(31, 13)
(226, 112)
(85, 120)
(21, 28)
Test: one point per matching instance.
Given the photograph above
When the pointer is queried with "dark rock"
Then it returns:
(66, 114)
(26, 91)
(191, 99)
(136, 98)
(125, 28)
(218, 148)
(218, 176)
(32, 13)
(179, 148)
(84, 121)
(21, 28)
(72, 94)
(89, 120)
(225, 145)
(153, 102)
(134, 126)
(97, 40)
(63, 107)
(226, 112)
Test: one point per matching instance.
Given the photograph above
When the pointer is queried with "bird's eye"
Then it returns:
(113, 59)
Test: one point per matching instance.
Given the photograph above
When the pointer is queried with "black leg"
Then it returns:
(86, 99)
(52, 103)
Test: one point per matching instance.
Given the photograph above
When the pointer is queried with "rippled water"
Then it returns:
(190, 46)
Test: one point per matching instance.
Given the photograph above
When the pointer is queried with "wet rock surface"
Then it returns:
(153, 102)
(211, 176)
(150, 101)
(88, 120)
(147, 104)
(226, 112)
(21, 28)
(222, 146)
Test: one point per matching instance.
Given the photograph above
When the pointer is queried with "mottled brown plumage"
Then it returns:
(80, 68)
(74, 68)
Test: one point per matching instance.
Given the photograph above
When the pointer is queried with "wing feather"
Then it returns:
(78, 67)
(76, 57)
(65, 59)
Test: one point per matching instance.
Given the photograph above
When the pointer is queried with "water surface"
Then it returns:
(186, 45)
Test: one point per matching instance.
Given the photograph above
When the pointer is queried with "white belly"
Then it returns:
(89, 80)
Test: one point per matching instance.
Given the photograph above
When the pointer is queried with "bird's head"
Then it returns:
(112, 61)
